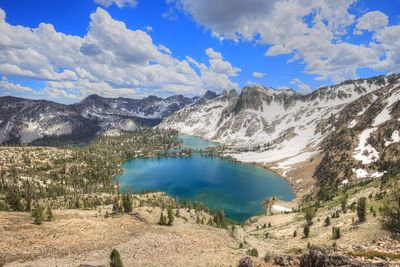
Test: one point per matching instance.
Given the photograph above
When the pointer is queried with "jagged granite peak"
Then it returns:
(231, 92)
(253, 97)
(207, 96)
(210, 94)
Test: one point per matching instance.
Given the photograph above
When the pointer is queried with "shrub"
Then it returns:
(115, 259)
(14, 200)
(361, 209)
(295, 233)
(253, 252)
(37, 213)
(49, 213)
(3, 206)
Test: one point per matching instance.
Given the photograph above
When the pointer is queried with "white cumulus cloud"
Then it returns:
(119, 3)
(257, 74)
(110, 60)
(314, 32)
(371, 21)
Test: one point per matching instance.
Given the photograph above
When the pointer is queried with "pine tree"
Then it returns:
(327, 221)
(252, 252)
(391, 214)
(306, 231)
(116, 205)
(127, 202)
(220, 220)
(361, 209)
(115, 259)
(28, 196)
(162, 219)
(335, 232)
(309, 215)
(170, 216)
(344, 204)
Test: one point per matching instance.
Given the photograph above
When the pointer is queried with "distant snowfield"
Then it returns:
(287, 156)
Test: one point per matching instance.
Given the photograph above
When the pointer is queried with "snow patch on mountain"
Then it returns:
(354, 121)
(384, 115)
(37, 129)
(364, 151)
(363, 174)
(276, 124)
(395, 138)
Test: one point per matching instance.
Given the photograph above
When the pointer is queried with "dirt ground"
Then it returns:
(78, 237)
(85, 237)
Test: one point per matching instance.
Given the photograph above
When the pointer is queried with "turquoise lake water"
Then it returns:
(237, 188)
(195, 142)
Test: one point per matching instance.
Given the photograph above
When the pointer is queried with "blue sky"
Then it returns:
(277, 43)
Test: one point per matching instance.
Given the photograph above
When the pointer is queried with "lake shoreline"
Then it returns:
(272, 167)
(207, 182)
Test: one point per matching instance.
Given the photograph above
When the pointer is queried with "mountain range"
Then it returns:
(40, 121)
(356, 120)
(353, 126)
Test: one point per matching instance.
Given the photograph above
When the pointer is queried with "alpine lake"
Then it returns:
(237, 188)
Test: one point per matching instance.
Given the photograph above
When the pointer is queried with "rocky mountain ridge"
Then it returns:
(27, 121)
(279, 124)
